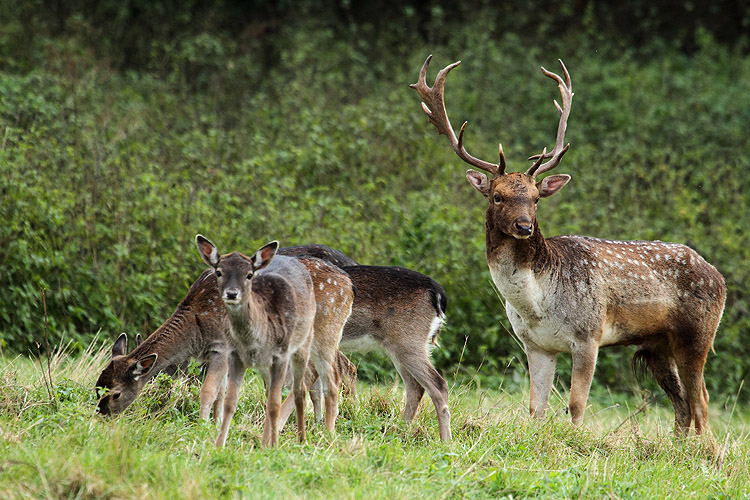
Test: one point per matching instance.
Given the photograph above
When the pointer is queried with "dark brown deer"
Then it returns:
(397, 311)
(573, 294)
(271, 308)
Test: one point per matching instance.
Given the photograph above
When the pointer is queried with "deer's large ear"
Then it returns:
(143, 366)
(552, 184)
(264, 255)
(120, 347)
(208, 251)
(479, 181)
(138, 340)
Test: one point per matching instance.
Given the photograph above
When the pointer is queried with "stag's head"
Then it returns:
(123, 378)
(511, 197)
(235, 271)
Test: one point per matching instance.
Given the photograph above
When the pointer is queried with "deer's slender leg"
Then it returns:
(330, 383)
(299, 387)
(664, 369)
(414, 391)
(274, 384)
(234, 382)
(214, 385)
(419, 366)
(584, 363)
(541, 374)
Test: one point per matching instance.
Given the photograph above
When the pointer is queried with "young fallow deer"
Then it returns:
(198, 329)
(573, 294)
(271, 307)
(400, 312)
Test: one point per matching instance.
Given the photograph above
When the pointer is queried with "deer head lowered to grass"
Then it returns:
(574, 294)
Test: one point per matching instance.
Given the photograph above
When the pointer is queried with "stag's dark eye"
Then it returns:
(250, 276)
(116, 395)
(218, 273)
(497, 198)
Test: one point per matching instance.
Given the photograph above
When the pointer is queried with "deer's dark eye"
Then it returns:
(116, 395)
(250, 276)
(497, 198)
(218, 273)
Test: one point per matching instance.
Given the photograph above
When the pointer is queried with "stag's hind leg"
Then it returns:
(664, 368)
(690, 368)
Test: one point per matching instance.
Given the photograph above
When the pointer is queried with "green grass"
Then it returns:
(159, 448)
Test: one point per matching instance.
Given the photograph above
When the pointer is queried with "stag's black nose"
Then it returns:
(523, 226)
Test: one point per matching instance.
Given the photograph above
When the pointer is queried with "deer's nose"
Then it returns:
(231, 294)
(523, 226)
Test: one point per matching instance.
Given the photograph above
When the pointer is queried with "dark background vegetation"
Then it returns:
(127, 127)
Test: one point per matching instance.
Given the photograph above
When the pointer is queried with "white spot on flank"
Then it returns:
(321, 286)
(328, 280)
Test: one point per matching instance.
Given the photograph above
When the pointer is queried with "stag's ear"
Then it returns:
(552, 184)
(120, 347)
(479, 181)
(208, 251)
(143, 366)
(138, 340)
(264, 255)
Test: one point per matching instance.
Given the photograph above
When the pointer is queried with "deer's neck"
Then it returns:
(248, 319)
(176, 340)
(198, 321)
(520, 269)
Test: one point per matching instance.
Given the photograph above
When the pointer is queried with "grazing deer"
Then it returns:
(175, 369)
(271, 308)
(197, 329)
(573, 294)
(400, 312)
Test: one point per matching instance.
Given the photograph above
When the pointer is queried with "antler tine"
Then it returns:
(434, 106)
(566, 92)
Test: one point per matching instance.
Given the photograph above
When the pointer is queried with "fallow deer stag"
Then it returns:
(574, 294)
(271, 307)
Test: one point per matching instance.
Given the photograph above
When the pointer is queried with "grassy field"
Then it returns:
(58, 448)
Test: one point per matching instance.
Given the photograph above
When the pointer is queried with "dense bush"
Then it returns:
(303, 129)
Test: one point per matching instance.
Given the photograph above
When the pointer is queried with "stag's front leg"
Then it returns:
(275, 377)
(584, 363)
(541, 374)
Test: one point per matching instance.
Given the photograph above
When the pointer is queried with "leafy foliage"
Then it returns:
(121, 141)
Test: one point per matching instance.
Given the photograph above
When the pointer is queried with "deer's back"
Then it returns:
(328, 254)
(629, 290)
(390, 304)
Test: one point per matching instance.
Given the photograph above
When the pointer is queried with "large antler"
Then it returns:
(434, 106)
(566, 91)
